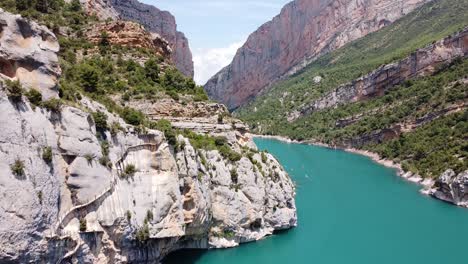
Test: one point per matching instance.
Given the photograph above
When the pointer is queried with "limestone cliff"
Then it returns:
(75, 193)
(28, 53)
(300, 33)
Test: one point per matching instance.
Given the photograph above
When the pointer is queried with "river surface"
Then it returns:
(351, 210)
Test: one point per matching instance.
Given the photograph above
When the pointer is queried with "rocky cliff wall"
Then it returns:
(69, 193)
(162, 23)
(420, 63)
(302, 31)
(28, 53)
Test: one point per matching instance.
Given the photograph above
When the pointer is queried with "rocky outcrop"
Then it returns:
(162, 23)
(451, 188)
(197, 198)
(422, 62)
(129, 34)
(74, 194)
(28, 53)
(303, 31)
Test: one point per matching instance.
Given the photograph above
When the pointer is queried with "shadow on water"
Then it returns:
(184, 256)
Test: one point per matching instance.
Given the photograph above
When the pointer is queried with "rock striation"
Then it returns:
(304, 30)
(28, 53)
(162, 23)
(422, 62)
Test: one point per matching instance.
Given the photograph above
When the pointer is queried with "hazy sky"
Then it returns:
(217, 28)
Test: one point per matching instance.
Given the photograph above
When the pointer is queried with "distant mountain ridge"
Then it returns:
(303, 31)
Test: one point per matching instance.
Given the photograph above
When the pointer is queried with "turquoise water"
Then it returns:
(351, 210)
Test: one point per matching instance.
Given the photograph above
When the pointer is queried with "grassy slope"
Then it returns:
(429, 23)
(429, 149)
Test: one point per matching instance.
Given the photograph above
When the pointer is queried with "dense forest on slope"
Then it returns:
(423, 26)
(421, 123)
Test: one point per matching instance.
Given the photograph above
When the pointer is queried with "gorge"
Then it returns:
(350, 208)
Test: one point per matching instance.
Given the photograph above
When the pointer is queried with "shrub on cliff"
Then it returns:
(34, 97)
(52, 105)
(14, 90)
(17, 168)
(100, 120)
(47, 154)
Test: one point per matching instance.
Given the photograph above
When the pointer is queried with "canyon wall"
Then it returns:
(153, 19)
(163, 23)
(422, 62)
(73, 193)
(302, 31)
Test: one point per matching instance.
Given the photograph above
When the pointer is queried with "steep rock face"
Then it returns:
(84, 204)
(28, 52)
(162, 23)
(130, 34)
(302, 31)
(451, 188)
(420, 63)
(196, 198)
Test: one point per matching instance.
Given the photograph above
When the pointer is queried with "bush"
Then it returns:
(17, 168)
(100, 120)
(149, 216)
(264, 157)
(83, 225)
(234, 176)
(14, 90)
(89, 78)
(228, 153)
(129, 215)
(52, 105)
(173, 94)
(115, 128)
(34, 97)
(143, 234)
(133, 117)
(47, 154)
(152, 70)
(89, 158)
(129, 170)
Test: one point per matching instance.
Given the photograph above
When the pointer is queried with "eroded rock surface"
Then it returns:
(304, 30)
(126, 196)
(451, 188)
(28, 52)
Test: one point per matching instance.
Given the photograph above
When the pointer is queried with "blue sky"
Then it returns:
(217, 28)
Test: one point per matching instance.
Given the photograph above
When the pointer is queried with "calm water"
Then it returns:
(351, 210)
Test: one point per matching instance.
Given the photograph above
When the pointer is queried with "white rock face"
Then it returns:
(452, 188)
(28, 53)
(86, 205)
(196, 198)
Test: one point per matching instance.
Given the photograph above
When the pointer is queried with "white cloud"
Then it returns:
(208, 62)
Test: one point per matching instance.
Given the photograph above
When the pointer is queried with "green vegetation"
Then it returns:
(429, 110)
(83, 225)
(17, 168)
(52, 105)
(100, 120)
(14, 90)
(89, 158)
(34, 97)
(40, 196)
(143, 234)
(47, 155)
(128, 215)
(149, 216)
(423, 26)
(129, 171)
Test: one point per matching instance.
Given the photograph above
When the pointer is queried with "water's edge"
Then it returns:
(426, 184)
